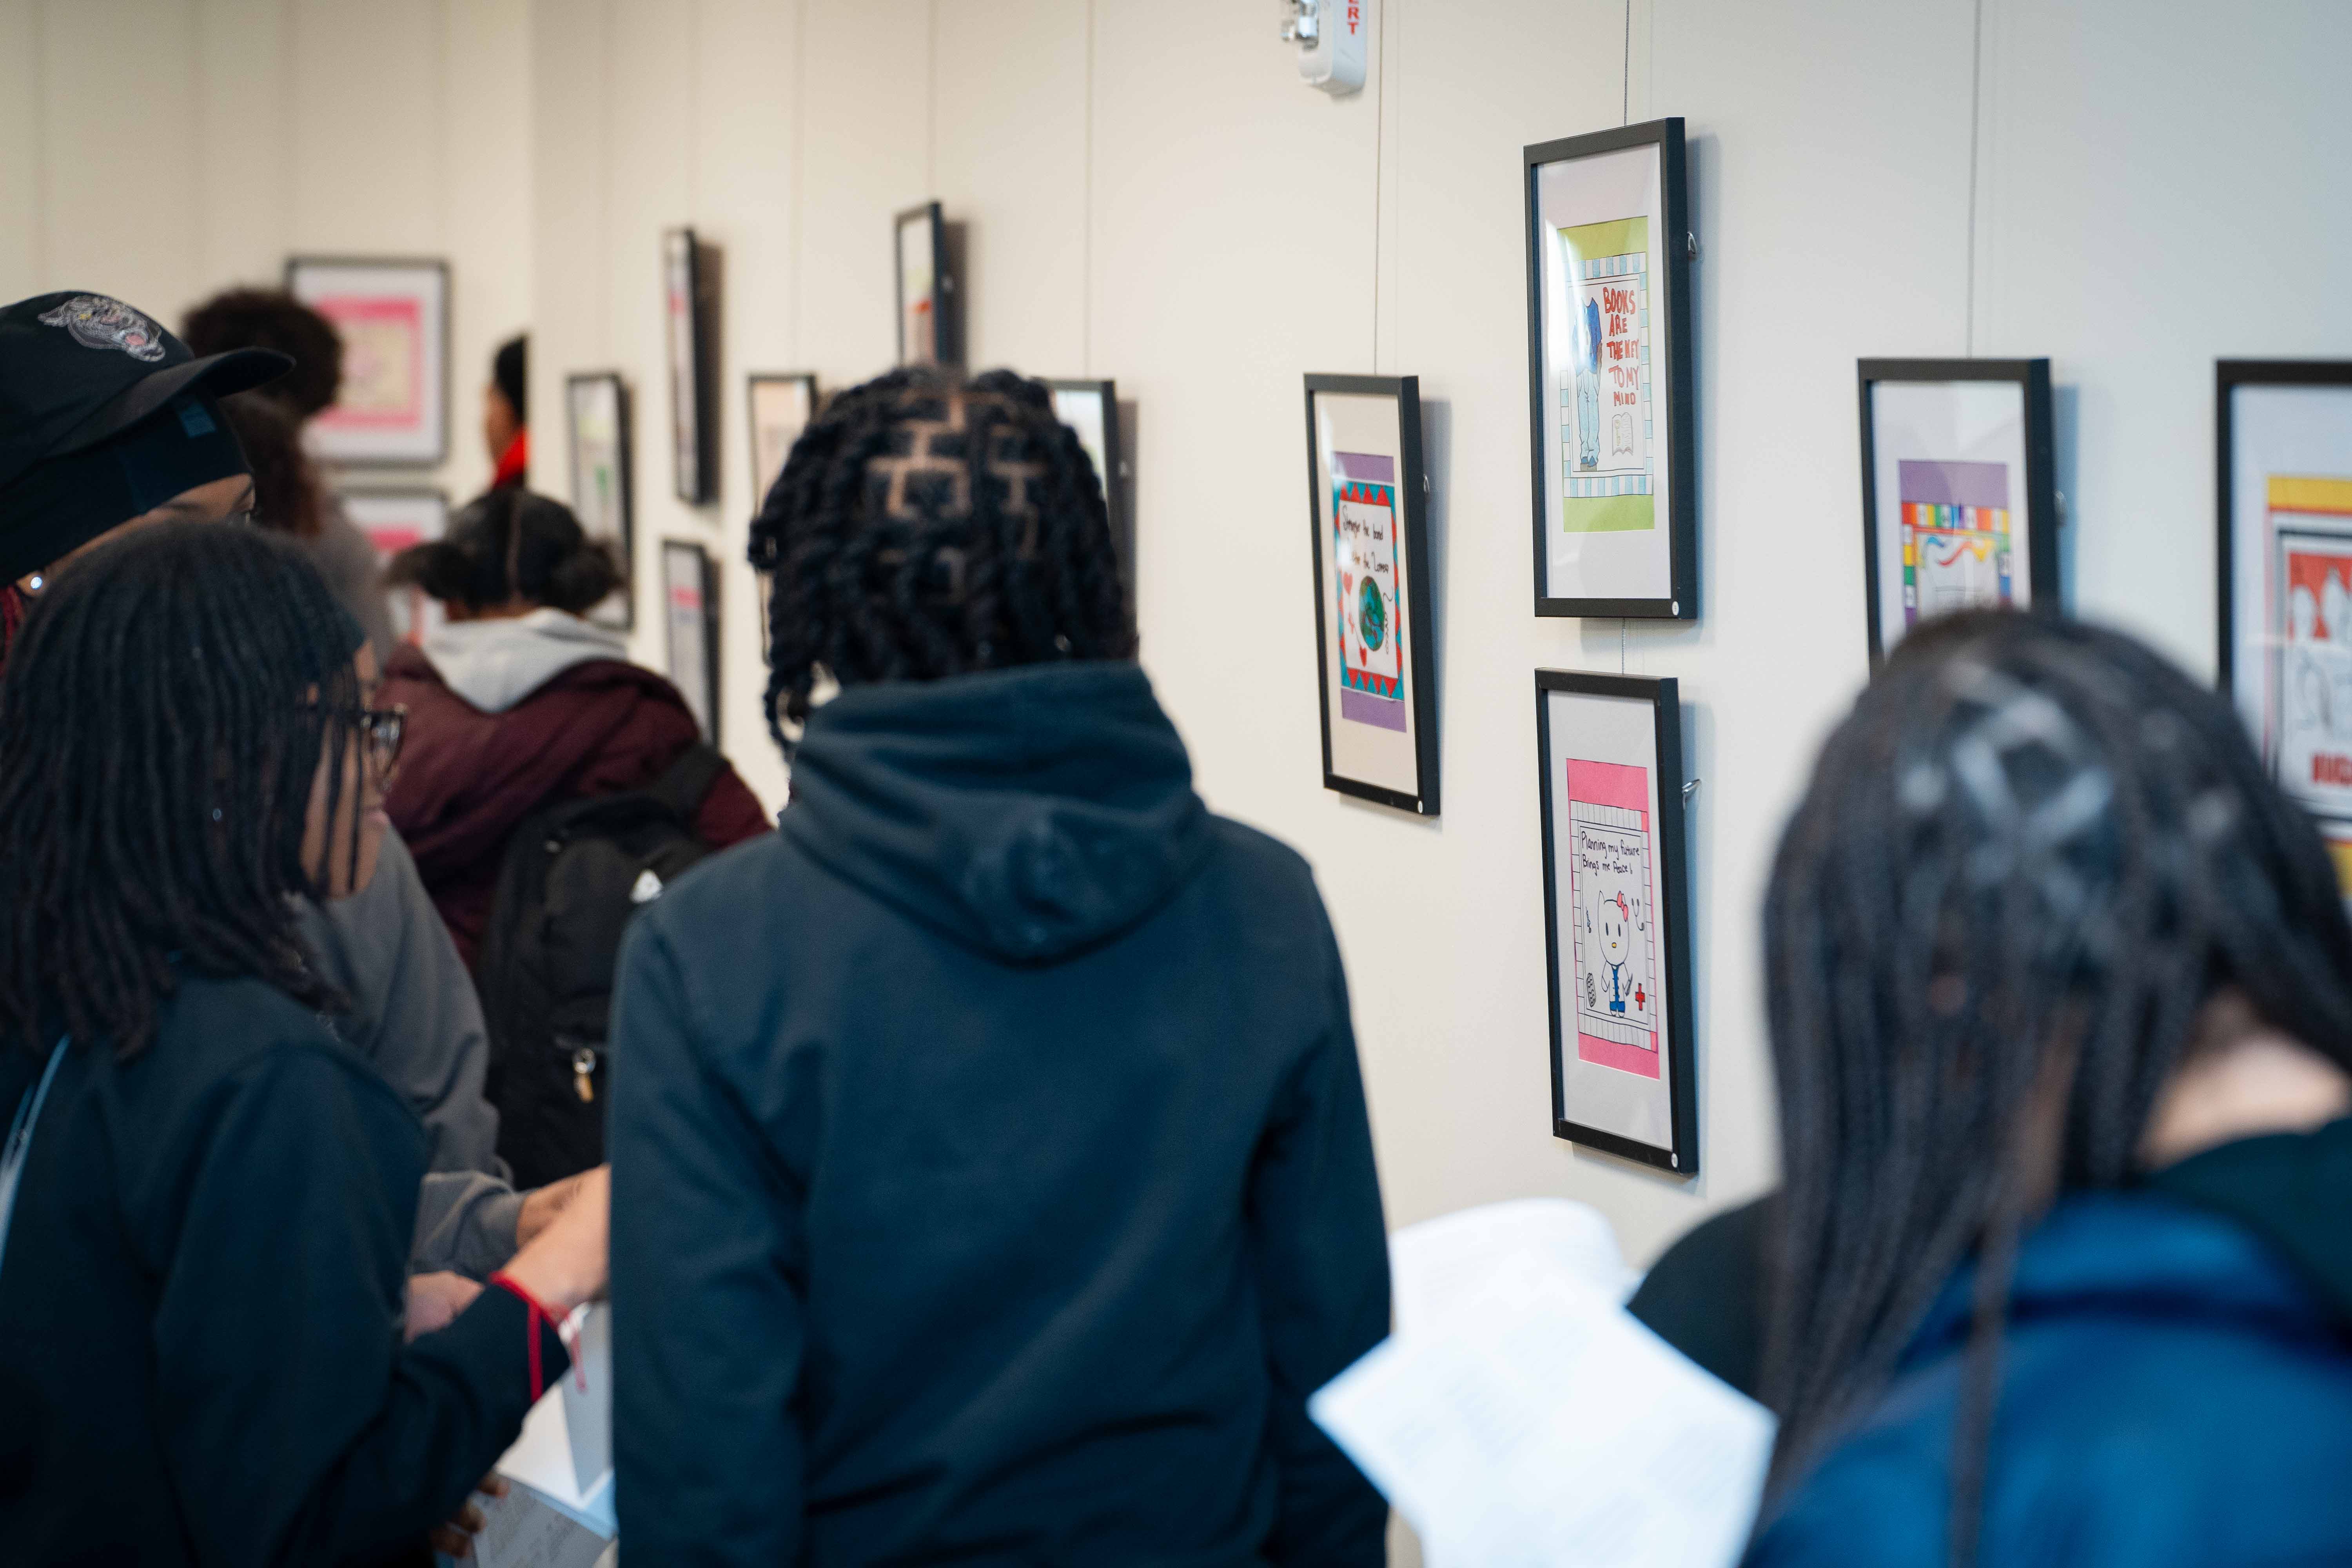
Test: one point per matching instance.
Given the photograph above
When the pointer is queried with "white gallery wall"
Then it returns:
(2131, 188)
(162, 150)
(1151, 195)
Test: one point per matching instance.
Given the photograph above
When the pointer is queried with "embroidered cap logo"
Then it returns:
(99, 322)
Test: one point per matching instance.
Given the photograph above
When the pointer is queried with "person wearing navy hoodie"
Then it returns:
(991, 1176)
(2059, 990)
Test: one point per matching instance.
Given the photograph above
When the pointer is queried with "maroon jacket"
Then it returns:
(468, 779)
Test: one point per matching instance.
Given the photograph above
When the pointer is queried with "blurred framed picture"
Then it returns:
(689, 327)
(1609, 373)
(393, 519)
(1366, 508)
(596, 405)
(393, 314)
(690, 603)
(1091, 408)
(1960, 505)
(2284, 462)
(781, 406)
(929, 327)
(1617, 917)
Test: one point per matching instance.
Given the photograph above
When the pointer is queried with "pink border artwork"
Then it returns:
(1616, 822)
(361, 319)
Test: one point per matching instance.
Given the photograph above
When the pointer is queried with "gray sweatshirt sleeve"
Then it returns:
(415, 1014)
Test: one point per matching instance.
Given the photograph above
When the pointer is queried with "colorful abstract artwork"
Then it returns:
(1955, 538)
(1370, 623)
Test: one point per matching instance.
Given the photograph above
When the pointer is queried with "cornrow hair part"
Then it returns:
(511, 546)
(925, 527)
(162, 724)
(2020, 869)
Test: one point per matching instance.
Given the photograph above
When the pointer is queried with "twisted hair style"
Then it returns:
(512, 546)
(161, 723)
(2022, 865)
(924, 528)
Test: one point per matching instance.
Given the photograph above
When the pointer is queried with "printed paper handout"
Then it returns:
(2311, 625)
(1956, 550)
(1519, 1417)
(1612, 895)
(1371, 630)
(1609, 480)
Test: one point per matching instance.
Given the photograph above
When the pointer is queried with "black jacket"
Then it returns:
(2293, 1190)
(992, 1178)
(200, 1307)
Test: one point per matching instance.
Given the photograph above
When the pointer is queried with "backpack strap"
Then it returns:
(687, 781)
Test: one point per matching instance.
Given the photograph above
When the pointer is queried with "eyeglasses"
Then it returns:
(383, 729)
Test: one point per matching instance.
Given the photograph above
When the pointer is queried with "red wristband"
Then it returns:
(538, 1315)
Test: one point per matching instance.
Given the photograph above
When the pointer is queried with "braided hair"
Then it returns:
(2021, 867)
(923, 528)
(161, 723)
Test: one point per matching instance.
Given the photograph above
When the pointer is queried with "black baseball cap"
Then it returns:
(76, 368)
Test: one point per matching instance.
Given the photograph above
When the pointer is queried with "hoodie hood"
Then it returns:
(494, 665)
(1027, 813)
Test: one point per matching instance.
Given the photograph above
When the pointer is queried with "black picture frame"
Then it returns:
(1419, 664)
(691, 341)
(1111, 464)
(2042, 521)
(1680, 599)
(2253, 670)
(323, 435)
(2228, 376)
(1681, 1156)
(763, 475)
(686, 564)
(940, 300)
(616, 524)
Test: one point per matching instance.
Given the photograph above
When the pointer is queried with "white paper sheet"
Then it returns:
(1439, 1263)
(1525, 1420)
(565, 1451)
(524, 1530)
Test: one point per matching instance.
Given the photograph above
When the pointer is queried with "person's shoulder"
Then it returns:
(1260, 860)
(241, 1028)
(1881, 1498)
(735, 888)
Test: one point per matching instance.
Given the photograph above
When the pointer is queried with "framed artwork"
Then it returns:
(597, 405)
(781, 407)
(392, 519)
(690, 602)
(1366, 509)
(1609, 373)
(1616, 919)
(1959, 503)
(392, 315)
(689, 329)
(2283, 461)
(1091, 408)
(929, 329)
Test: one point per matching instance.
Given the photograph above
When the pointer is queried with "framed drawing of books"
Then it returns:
(394, 517)
(1616, 916)
(689, 333)
(393, 314)
(781, 407)
(597, 406)
(691, 605)
(1091, 408)
(1609, 373)
(2284, 462)
(929, 327)
(1367, 512)
(1959, 504)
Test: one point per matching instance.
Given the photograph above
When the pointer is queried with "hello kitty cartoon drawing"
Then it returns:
(1611, 870)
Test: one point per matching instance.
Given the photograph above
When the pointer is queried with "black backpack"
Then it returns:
(572, 878)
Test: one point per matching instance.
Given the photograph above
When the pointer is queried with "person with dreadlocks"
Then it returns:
(2059, 990)
(206, 1198)
(110, 424)
(991, 1176)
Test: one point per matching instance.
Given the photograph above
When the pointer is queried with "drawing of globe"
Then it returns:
(1371, 615)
